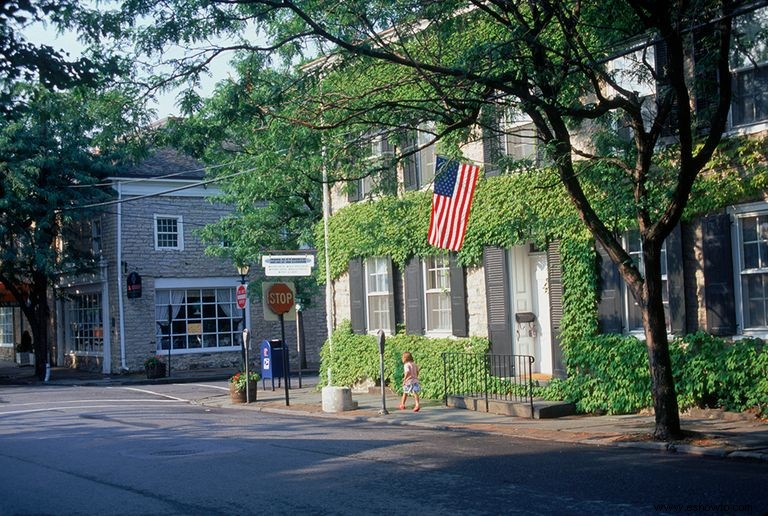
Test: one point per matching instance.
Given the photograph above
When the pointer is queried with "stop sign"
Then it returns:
(241, 297)
(280, 298)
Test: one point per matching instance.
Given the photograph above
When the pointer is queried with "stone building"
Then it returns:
(155, 291)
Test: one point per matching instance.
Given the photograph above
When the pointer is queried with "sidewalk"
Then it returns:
(712, 432)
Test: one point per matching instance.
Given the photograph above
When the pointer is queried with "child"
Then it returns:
(411, 383)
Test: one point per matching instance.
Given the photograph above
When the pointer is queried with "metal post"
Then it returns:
(170, 339)
(380, 340)
(286, 372)
(299, 337)
(247, 369)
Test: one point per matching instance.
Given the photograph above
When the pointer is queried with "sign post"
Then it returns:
(241, 297)
(280, 300)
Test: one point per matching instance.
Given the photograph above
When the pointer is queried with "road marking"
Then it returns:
(211, 386)
(147, 391)
(56, 409)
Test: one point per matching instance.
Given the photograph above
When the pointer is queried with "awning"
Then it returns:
(6, 298)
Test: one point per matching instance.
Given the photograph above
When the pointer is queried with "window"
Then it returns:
(634, 249)
(197, 318)
(753, 269)
(169, 232)
(520, 142)
(437, 294)
(420, 167)
(750, 95)
(6, 326)
(96, 240)
(86, 332)
(379, 294)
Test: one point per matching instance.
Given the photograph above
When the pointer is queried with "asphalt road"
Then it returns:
(149, 450)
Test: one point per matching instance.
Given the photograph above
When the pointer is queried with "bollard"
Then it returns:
(380, 340)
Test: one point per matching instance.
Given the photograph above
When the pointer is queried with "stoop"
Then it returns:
(541, 409)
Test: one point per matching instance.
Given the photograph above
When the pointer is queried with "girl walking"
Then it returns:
(411, 383)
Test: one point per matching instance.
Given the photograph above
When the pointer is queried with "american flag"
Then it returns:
(451, 200)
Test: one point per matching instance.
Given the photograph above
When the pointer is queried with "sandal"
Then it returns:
(416, 409)
(402, 407)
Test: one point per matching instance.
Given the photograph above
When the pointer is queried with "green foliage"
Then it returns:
(609, 373)
(356, 358)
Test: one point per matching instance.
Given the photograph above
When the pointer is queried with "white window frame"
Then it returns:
(436, 266)
(637, 257)
(179, 232)
(378, 272)
(738, 214)
(199, 286)
(6, 327)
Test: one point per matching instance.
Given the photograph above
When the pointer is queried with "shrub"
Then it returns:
(356, 358)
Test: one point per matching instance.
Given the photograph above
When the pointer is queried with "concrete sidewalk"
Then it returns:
(712, 432)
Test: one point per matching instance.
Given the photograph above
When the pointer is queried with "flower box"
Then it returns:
(155, 370)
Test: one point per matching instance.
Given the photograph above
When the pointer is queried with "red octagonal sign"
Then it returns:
(280, 298)
(241, 297)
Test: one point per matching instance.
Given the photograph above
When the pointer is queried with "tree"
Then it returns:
(401, 63)
(23, 60)
(53, 154)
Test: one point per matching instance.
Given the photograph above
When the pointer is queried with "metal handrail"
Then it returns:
(488, 376)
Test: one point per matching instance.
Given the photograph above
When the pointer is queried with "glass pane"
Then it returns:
(751, 256)
(754, 299)
(749, 229)
(378, 313)
(438, 312)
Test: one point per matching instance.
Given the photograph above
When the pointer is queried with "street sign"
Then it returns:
(288, 264)
(280, 298)
(241, 297)
(269, 314)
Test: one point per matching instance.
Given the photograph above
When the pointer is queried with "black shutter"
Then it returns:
(707, 86)
(459, 317)
(492, 140)
(388, 177)
(609, 294)
(675, 283)
(555, 284)
(414, 297)
(497, 300)
(392, 314)
(718, 275)
(663, 87)
(353, 192)
(357, 296)
(410, 163)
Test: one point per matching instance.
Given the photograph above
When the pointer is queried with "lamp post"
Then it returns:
(243, 270)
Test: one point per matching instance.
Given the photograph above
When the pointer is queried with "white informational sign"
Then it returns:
(288, 264)
(269, 315)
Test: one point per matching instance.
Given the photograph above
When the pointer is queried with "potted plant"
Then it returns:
(238, 384)
(154, 367)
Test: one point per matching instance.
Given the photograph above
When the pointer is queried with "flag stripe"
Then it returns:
(451, 202)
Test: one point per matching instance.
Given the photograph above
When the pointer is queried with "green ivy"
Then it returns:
(355, 358)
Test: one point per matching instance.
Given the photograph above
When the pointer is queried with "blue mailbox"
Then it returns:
(271, 353)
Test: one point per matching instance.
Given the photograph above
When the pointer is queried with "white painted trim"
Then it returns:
(179, 231)
(736, 213)
(212, 282)
(139, 186)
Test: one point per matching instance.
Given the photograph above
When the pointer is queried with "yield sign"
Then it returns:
(241, 297)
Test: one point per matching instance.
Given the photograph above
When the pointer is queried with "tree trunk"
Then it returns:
(662, 382)
(38, 314)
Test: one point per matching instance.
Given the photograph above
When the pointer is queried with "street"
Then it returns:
(152, 450)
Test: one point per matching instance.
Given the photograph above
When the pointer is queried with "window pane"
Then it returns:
(378, 313)
(200, 318)
(438, 312)
(754, 298)
(6, 326)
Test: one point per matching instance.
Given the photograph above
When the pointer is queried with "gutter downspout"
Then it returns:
(119, 267)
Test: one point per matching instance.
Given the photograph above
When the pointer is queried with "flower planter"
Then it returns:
(155, 371)
(239, 396)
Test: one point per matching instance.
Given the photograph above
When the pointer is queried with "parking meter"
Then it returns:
(380, 341)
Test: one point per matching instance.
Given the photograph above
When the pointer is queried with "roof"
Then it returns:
(164, 162)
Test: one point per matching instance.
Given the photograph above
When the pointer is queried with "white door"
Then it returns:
(540, 275)
(523, 333)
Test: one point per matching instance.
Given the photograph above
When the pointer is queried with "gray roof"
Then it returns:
(165, 161)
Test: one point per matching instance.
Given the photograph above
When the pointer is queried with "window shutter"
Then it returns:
(663, 88)
(459, 316)
(609, 292)
(410, 163)
(414, 297)
(707, 85)
(492, 141)
(675, 281)
(357, 296)
(555, 281)
(497, 300)
(718, 275)
(353, 194)
(388, 181)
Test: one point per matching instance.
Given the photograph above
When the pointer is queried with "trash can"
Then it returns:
(271, 353)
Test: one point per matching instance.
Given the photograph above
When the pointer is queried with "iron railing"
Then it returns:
(488, 377)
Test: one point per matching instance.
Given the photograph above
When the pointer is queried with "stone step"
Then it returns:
(541, 409)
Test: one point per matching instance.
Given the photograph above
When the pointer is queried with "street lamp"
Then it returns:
(243, 270)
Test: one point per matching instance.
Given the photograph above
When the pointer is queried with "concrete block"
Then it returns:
(337, 399)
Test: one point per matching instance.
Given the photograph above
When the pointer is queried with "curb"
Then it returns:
(672, 448)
